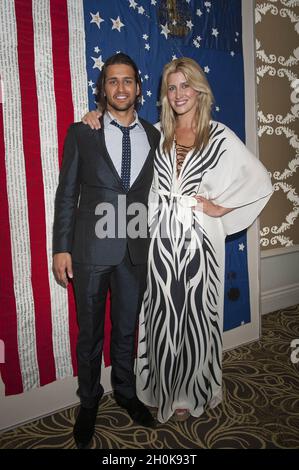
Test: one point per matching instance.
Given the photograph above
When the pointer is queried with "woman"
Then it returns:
(180, 331)
(206, 185)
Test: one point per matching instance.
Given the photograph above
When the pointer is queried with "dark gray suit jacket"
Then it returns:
(88, 178)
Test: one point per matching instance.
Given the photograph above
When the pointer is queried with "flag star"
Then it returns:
(96, 19)
(189, 24)
(133, 4)
(147, 47)
(232, 53)
(158, 103)
(207, 69)
(217, 109)
(188, 1)
(141, 10)
(146, 77)
(94, 90)
(145, 37)
(149, 93)
(208, 6)
(142, 100)
(117, 24)
(174, 23)
(237, 34)
(98, 63)
(198, 12)
(154, 2)
(90, 83)
(241, 246)
(196, 43)
(97, 49)
(236, 40)
(174, 57)
(165, 30)
(215, 32)
(198, 38)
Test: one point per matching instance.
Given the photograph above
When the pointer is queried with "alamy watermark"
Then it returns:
(136, 220)
(121, 221)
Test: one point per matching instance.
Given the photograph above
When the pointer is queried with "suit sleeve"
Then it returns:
(239, 181)
(67, 195)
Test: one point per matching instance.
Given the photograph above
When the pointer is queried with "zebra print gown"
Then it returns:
(180, 326)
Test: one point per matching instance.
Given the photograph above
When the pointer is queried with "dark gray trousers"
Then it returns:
(91, 282)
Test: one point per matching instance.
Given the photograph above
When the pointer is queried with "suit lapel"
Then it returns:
(153, 145)
(101, 143)
(150, 134)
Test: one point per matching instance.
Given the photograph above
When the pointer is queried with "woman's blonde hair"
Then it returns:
(196, 78)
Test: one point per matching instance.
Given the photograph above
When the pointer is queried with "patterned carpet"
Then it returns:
(260, 407)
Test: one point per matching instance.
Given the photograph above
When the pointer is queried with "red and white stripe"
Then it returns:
(77, 57)
(42, 65)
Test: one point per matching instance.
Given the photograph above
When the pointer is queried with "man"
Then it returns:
(102, 169)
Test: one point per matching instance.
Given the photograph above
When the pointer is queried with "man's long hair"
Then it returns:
(119, 58)
(195, 77)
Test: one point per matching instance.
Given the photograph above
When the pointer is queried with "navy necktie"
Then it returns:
(126, 154)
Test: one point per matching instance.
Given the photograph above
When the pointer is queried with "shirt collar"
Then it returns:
(108, 117)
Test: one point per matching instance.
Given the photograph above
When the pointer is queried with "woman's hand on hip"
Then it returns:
(209, 208)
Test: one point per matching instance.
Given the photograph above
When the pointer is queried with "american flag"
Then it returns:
(43, 72)
(51, 52)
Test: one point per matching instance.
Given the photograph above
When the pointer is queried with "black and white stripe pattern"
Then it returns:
(180, 333)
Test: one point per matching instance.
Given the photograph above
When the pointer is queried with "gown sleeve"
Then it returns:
(239, 181)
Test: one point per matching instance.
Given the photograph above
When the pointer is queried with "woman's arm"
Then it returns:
(211, 209)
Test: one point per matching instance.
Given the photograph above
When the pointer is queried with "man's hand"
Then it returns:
(92, 119)
(62, 268)
(209, 208)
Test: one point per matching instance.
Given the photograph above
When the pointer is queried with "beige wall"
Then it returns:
(277, 57)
